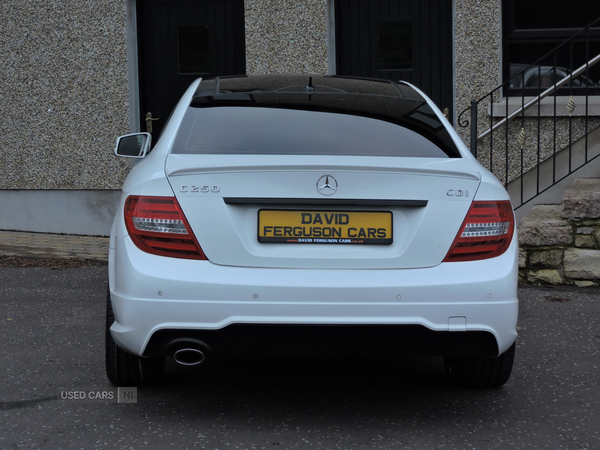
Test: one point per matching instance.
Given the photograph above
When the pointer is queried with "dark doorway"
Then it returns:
(180, 41)
(408, 40)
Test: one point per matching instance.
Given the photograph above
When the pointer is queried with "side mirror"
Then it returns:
(134, 145)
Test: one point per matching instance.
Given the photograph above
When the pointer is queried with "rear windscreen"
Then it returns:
(233, 130)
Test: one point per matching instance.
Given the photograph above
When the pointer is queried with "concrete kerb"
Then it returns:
(55, 246)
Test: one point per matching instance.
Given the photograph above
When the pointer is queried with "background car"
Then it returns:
(298, 214)
(544, 77)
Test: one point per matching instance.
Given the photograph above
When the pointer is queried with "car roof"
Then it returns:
(289, 82)
(298, 90)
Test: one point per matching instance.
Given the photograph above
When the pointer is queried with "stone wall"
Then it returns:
(286, 37)
(560, 244)
(478, 55)
(63, 93)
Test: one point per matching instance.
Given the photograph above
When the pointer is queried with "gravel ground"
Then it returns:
(57, 264)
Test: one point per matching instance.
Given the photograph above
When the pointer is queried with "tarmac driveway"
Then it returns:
(51, 338)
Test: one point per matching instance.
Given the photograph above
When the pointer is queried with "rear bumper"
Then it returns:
(323, 340)
(451, 309)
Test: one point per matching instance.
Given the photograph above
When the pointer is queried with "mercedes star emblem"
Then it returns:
(327, 185)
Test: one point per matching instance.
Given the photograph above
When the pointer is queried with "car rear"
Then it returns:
(312, 213)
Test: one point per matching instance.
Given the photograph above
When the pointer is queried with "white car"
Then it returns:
(282, 214)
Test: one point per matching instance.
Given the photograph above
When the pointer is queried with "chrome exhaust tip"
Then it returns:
(188, 356)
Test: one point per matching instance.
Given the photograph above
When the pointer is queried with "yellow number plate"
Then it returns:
(325, 227)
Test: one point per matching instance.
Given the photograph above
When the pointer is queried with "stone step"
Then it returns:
(544, 226)
(582, 199)
(560, 244)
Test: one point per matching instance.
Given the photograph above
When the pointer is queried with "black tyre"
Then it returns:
(480, 372)
(124, 369)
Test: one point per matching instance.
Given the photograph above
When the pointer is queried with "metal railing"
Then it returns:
(560, 143)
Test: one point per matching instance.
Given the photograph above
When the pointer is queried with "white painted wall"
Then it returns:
(82, 212)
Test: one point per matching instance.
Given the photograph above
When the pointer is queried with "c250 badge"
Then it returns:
(202, 189)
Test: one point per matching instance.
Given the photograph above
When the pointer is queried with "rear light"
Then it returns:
(485, 233)
(157, 225)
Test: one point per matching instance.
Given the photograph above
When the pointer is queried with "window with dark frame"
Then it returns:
(533, 28)
(193, 47)
(395, 45)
